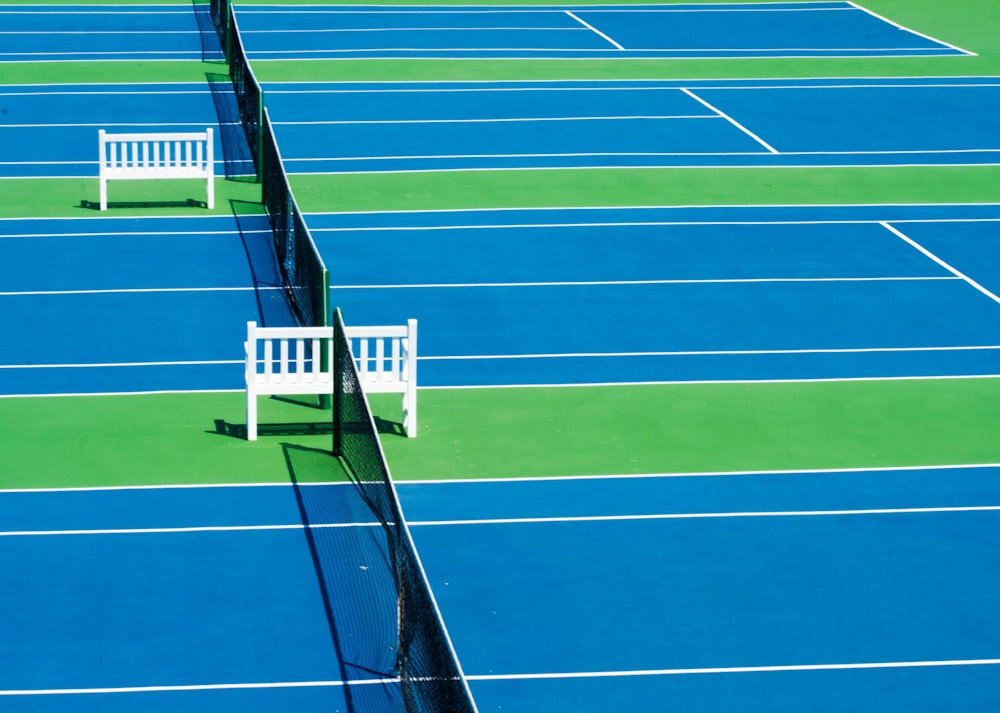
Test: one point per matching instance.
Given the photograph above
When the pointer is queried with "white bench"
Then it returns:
(288, 360)
(164, 155)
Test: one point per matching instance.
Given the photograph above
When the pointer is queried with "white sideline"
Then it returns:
(156, 155)
(303, 364)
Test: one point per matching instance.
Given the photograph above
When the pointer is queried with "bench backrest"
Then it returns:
(289, 360)
(382, 355)
(156, 155)
(300, 360)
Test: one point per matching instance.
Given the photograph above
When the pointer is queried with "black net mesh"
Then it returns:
(303, 273)
(430, 675)
(249, 97)
(219, 10)
(305, 277)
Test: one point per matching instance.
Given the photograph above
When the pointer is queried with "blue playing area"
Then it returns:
(782, 29)
(726, 294)
(348, 127)
(670, 598)
(190, 571)
(172, 32)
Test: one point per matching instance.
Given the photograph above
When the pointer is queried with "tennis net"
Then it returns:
(306, 279)
(430, 674)
(249, 96)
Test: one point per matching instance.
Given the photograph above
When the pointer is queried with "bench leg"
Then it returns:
(410, 411)
(104, 194)
(251, 416)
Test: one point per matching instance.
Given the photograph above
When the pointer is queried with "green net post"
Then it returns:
(338, 386)
(325, 349)
(258, 150)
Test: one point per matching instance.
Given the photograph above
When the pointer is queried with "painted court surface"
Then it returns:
(675, 453)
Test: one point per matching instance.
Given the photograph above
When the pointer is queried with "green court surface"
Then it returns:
(89, 441)
(165, 438)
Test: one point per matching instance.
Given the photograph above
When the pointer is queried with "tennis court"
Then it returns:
(687, 454)
(417, 126)
(783, 29)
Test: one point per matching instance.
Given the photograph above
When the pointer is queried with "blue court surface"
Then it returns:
(51, 130)
(74, 32)
(342, 127)
(174, 32)
(513, 297)
(598, 593)
(767, 29)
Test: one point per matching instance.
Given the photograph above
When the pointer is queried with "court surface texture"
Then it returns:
(722, 451)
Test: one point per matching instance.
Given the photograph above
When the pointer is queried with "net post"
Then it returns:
(258, 149)
(326, 346)
(338, 384)
(227, 28)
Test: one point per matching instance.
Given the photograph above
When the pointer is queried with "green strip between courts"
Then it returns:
(111, 72)
(438, 190)
(91, 441)
(455, 190)
(78, 197)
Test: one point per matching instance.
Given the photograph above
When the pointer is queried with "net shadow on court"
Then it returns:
(351, 555)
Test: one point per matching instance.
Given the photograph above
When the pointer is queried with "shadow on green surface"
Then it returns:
(186, 203)
(323, 427)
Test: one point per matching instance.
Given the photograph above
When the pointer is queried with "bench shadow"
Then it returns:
(323, 427)
(187, 203)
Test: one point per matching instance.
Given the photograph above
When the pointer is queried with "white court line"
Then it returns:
(177, 530)
(913, 243)
(142, 234)
(335, 122)
(688, 206)
(56, 33)
(487, 10)
(110, 91)
(627, 224)
(735, 669)
(719, 352)
(730, 119)
(194, 687)
(413, 29)
(600, 283)
(706, 516)
(701, 474)
(594, 30)
(625, 85)
(907, 29)
(213, 122)
(139, 290)
(605, 167)
(101, 365)
(516, 676)
(519, 479)
(581, 355)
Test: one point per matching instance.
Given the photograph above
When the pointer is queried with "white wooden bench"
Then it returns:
(288, 360)
(163, 155)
